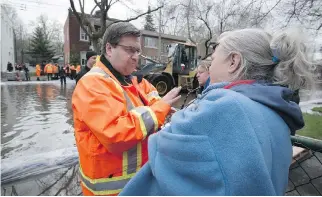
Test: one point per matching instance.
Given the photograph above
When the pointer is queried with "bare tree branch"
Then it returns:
(104, 6)
(82, 21)
(93, 9)
(98, 4)
(206, 23)
(136, 17)
(81, 6)
(189, 8)
(269, 11)
(319, 27)
(112, 3)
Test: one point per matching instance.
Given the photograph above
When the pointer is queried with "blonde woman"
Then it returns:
(203, 74)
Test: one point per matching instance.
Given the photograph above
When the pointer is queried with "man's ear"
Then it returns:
(235, 59)
(108, 48)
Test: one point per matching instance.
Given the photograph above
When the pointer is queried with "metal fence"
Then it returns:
(305, 177)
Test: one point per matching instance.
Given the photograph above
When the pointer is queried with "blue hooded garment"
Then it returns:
(227, 142)
(207, 83)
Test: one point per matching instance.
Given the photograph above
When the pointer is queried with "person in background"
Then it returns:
(26, 69)
(56, 70)
(62, 75)
(203, 74)
(90, 61)
(67, 70)
(72, 72)
(235, 138)
(114, 115)
(49, 71)
(42, 68)
(38, 72)
(9, 67)
(78, 69)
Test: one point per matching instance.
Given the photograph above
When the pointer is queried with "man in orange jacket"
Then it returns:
(38, 72)
(114, 114)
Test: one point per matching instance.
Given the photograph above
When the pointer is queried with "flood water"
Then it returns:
(38, 153)
(36, 118)
(37, 138)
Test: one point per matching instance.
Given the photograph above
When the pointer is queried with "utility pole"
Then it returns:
(160, 48)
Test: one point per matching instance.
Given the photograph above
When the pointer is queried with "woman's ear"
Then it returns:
(235, 59)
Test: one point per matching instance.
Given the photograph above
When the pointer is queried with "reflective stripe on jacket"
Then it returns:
(112, 123)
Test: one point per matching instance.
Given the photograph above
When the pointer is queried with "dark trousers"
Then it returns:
(49, 75)
(73, 74)
(63, 79)
(27, 76)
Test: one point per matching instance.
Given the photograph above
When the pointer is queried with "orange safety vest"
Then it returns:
(38, 70)
(112, 149)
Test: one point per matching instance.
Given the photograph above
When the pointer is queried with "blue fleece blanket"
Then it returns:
(228, 142)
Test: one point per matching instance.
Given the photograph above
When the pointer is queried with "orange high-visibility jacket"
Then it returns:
(55, 68)
(49, 68)
(111, 128)
(78, 68)
(38, 70)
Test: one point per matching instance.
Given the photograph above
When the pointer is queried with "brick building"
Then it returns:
(76, 42)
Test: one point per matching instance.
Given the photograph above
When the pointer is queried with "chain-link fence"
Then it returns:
(305, 177)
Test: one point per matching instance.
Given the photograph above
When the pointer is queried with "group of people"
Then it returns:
(234, 139)
(55, 71)
(19, 67)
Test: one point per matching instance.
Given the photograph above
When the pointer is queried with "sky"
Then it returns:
(29, 10)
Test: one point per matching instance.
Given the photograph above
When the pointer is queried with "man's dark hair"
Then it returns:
(115, 31)
(90, 54)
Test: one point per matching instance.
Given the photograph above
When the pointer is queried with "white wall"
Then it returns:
(7, 53)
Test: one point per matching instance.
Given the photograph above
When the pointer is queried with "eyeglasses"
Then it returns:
(131, 50)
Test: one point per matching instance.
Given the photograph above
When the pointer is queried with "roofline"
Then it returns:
(167, 36)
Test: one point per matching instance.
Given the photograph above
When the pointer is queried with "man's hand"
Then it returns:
(172, 96)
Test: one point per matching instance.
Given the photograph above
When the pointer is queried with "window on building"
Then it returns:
(83, 35)
(150, 42)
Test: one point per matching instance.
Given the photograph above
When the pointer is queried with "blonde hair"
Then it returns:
(280, 59)
(204, 65)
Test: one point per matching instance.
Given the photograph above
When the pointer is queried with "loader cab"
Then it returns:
(183, 57)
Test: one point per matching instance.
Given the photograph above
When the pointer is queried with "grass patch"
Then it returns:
(313, 126)
(317, 109)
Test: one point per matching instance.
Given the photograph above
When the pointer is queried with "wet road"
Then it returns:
(37, 128)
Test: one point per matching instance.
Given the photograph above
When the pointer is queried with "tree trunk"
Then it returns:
(96, 45)
(221, 27)
(207, 49)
